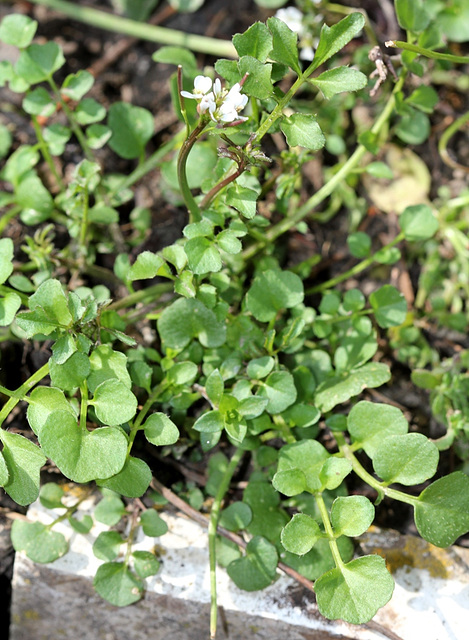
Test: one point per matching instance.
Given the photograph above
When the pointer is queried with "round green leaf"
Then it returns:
(80, 455)
(132, 480)
(369, 423)
(42, 402)
(300, 534)
(389, 306)
(409, 459)
(279, 388)
(152, 524)
(418, 222)
(109, 510)
(257, 569)
(39, 62)
(132, 127)
(107, 545)
(24, 461)
(272, 291)
(236, 517)
(334, 471)
(107, 364)
(355, 591)
(442, 511)
(117, 584)
(40, 543)
(307, 456)
(160, 430)
(187, 319)
(18, 30)
(114, 403)
(290, 482)
(71, 373)
(351, 515)
(146, 564)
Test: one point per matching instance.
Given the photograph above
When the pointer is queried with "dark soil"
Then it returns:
(132, 76)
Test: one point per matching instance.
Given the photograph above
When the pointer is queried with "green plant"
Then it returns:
(245, 355)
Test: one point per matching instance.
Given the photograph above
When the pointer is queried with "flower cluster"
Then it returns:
(222, 105)
(294, 20)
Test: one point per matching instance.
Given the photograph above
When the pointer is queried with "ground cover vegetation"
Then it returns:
(236, 349)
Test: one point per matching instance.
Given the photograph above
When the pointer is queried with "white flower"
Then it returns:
(202, 85)
(292, 17)
(232, 104)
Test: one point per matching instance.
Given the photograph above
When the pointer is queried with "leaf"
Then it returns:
(210, 422)
(146, 564)
(9, 305)
(272, 291)
(51, 495)
(409, 459)
(107, 545)
(236, 517)
(242, 199)
(76, 85)
(114, 403)
(214, 387)
(370, 423)
(24, 461)
(307, 456)
(71, 373)
(355, 591)
(259, 83)
(80, 455)
(187, 319)
(203, 256)
(301, 534)
(107, 364)
(131, 481)
(255, 41)
(411, 14)
(6, 258)
(257, 569)
(333, 472)
(89, 111)
(351, 515)
(268, 518)
(389, 306)
(182, 373)
(176, 56)
(442, 511)
(147, 265)
(18, 30)
(42, 402)
(338, 389)
(333, 39)
(38, 102)
(109, 510)
(132, 127)
(413, 127)
(160, 430)
(117, 584)
(284, 44)
(49, 310)
(40, 543)
(303, 130)
(39, 62)
(338, 80)
(152, 524)
(418, 222)
(279, 388)
(260, 367)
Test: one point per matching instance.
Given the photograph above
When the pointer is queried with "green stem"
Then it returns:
(153, 292)
(191, 204)
(83, 404)
(358, 268)
(84, 224)
(46, 153)
(152, 398)
(339, 563)
(80, 136)
(287, 223)
(447, 134)
(212, 531)
(110, 22)
(449, 57)
(20, 393)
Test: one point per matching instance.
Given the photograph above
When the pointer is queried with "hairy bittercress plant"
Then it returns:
(241, 356)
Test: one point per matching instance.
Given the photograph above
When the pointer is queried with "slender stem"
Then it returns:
(84, 224)
(287, 223)
(142, 414)
(72, 120)
(212, 531)
(46, 153)
(358, 268)
(110, 22)
(153, 292)
(83, 404)
(22, 391)
(339, 563)
(221, 185)
(191, 204)
(449, 57)
(445, 138)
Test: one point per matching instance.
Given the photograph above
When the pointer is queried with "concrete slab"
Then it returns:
(431, 598)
